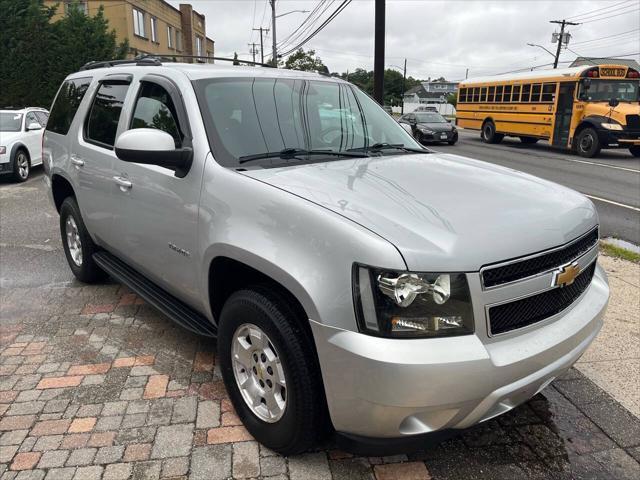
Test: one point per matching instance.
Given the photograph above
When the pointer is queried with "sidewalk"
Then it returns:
(95, 384)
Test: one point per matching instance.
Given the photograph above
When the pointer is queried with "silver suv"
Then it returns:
(356, 282)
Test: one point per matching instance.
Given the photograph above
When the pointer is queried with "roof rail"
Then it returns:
(141, 60)
(171, 56)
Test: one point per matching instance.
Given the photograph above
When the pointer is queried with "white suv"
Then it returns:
(21, 141)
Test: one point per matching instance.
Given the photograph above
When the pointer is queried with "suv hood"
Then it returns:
(443, 212)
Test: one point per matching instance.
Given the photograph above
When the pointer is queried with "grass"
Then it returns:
(619, 252)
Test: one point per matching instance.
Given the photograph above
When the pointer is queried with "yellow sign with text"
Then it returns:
(612, 72)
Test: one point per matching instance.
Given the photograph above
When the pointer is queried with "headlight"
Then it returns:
(3, 150)
(426, 130)
(611, 126)
(406, 304)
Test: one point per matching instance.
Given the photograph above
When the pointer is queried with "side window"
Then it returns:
(29, 119)
(499, 93)
(476, 94)
(515, 95)
(102, 122)
(155, 109)
(526, 92)
(42, 118)
(66, 105)
(483, 94)
(492, 94)
(548, 92)
(535, 92)
(507, 93)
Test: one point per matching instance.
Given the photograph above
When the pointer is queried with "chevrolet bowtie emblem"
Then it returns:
(565, 275)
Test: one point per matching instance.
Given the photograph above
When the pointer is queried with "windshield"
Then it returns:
(246, 116)
(10, 122)
(605, 90)
(430, 118)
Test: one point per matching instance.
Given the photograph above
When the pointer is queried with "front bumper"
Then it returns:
(439, 136)
(618, 139)
(394, 389)
(5, 164)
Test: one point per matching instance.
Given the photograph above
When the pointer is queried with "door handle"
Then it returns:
(123, 183)
(77, 161)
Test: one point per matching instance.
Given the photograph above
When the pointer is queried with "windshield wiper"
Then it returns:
(377, 147)
(289, 153)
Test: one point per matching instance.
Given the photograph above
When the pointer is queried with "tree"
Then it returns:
(37, 54)
(306, 61)
(452, 98)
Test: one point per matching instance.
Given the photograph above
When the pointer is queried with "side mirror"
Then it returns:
(413, 121)
(153, 147)
(34, 126)
(614, 102)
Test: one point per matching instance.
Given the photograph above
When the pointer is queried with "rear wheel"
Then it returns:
(77, 244)
(587, 143)
(635, 150)
(21, 166)
(529, 140)
(489, 134)
(269, 369)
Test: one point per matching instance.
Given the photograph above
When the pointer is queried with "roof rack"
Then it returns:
(156, 59)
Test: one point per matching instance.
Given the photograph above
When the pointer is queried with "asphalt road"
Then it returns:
(612, 180)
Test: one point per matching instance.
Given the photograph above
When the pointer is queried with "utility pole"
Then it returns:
(466, 74)
(378, 54)
(273, 34)
(261, 30)
(253, 50)
(404, 86)
(562, 24)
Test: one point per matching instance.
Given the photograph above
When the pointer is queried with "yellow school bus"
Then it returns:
(583, 109)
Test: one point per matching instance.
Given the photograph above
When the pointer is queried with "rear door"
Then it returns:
(156, 211)
(564, 110)
(93, 157)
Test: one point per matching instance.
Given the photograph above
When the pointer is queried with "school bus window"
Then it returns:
(461, 95)
(507, 93)
(483, 94)
(515, 94)
(548, 92)
(491, 95)
(526, 92)
(498, 93)
(535, 92)
(476, 94)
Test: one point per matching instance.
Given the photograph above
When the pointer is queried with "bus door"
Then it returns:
(564, 110)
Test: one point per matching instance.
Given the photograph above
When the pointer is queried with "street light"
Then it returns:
(292, 11)
(540, 46)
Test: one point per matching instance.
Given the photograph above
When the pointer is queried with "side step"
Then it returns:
(173, 308)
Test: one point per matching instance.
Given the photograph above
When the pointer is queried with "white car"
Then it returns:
(21, 141)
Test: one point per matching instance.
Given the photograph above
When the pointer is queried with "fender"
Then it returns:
(15, 148)
(595, 121)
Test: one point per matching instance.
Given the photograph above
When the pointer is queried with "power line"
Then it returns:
(607, 12)
(611, 16)
(335, 13)
(597, 10)
(307, 24)
(608, 36)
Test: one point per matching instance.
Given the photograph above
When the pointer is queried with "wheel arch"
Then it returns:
(61, 188)
(19, 146)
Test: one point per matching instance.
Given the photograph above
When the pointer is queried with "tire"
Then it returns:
(635, 150)
(489, 134)
(80, 257)
(303, 418)
(588, 143)
(529, 140)
(452, 142)
(21, 166)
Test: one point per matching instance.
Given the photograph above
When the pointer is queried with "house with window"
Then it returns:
(435, 91)
(150, 26)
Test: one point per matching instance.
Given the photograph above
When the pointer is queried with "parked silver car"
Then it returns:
(354, 280)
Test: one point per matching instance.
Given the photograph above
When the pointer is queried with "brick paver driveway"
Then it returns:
(95, 384)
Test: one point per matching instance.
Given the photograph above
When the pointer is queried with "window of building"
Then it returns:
(491, 96)
(138, 23)
(179, 40)
(155, 109)
(66, 105)
(515, 94)
(169, 36)
(548, 92)
(102, 122)
(76, 5)
(499, 93)
(198, 45)
(154, 29)
(526, 93)
(535, 92)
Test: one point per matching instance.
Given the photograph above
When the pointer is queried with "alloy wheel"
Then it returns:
(73, 240)
(259, 373)
(22, 163)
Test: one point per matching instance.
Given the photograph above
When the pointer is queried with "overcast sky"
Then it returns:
(438, 38)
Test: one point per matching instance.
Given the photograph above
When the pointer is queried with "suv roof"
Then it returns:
(200, 71)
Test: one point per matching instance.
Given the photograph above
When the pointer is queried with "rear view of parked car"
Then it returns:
(21, 141)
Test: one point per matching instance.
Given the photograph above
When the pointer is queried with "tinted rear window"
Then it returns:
(66, 105)
(102, 122)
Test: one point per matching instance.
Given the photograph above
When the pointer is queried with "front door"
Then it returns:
(156, 212)
(33, 137)
(564, 111)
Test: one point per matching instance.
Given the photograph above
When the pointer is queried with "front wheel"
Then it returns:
(489, 134)
(21, 166)
(77, 243)
(268, 366)
(588, 143)
(635, 150)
